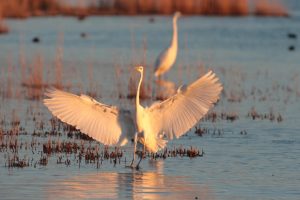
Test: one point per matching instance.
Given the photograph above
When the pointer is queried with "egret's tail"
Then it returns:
(161, 143)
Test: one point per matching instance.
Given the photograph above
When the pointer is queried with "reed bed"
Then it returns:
(269, 8)
(3, 27)
(27, 8)
(199, 7)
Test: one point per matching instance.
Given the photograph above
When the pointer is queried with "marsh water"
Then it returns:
(245, 157)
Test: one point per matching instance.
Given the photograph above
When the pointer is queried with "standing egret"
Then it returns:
(167, 58)
(153, 125)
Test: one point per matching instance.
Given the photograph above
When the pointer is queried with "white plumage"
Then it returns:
(167, 58)
(112, 126)
(176, 115)
(106, 124)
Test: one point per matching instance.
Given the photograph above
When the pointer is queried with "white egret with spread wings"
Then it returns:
(167, 58)
(152, 126)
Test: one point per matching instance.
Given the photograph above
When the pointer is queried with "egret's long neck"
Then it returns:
(138, 91)
(174, 39)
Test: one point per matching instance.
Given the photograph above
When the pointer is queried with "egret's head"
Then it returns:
(177, 14)
(139, 69)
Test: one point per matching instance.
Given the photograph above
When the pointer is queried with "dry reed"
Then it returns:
(270, 8)
(8, 93)
(59, 62)
(26, 8)
(3, 26)
(35, 82)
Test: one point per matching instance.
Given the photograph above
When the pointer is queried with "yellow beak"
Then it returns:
(137, 68)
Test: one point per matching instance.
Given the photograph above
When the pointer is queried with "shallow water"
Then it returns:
(245, 52)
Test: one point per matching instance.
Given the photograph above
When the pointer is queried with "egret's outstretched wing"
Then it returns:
(179, 113)
(97, 120)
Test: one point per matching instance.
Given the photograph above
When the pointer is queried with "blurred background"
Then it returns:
(250, 139)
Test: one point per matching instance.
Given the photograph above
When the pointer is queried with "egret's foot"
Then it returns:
(129, 166)
(137, 167)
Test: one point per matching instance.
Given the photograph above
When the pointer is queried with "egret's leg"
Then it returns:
(138, 165)
(134, 150)
(144, 151)
(141, 157)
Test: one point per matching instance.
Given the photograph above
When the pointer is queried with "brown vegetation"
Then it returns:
(270, 8)
(3, 27)
(26, 8)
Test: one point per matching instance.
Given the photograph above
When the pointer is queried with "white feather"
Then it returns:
(176, 115)
(104, 123)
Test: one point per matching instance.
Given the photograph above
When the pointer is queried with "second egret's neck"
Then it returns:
(174, 39)
(138, 91)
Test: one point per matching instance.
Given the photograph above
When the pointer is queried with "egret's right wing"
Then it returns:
(179, 113)
(95, 119)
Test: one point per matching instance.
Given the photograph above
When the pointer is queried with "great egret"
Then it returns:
(167, 58)
(154, 125)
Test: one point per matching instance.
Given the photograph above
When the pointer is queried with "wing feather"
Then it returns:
(179, 113)
(95, 119)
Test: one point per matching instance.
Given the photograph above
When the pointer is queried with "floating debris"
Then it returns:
(36, 40)
(83, 35)
(292, 48)
(292, 35)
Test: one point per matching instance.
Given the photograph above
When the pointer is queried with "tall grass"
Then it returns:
(26, 8)
(3, 26)
(59, 62)
(270, 8)
(190, 7)
(201, 7)
(34, 83)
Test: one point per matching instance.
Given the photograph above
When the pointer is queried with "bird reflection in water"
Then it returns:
(133, 185)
